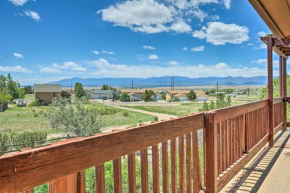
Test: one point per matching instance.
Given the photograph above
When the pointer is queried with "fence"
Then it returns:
(232, 136)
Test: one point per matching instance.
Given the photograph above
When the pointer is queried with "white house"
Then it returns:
(100, 94)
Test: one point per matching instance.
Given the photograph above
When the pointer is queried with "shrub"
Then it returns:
(155, 119)
(126, 114)
(125, 97)
(36, 103)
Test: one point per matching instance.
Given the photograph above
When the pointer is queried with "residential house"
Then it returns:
(46, 92)
(135, 96)
(181, 95)
(100, 94)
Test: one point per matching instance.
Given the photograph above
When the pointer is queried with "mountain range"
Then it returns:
(164, 81)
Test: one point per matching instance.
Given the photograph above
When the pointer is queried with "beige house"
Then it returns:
(46, 92)
(100, 94)
(181, 95)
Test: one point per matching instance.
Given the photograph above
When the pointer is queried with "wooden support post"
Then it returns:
(270, 89)
(281, 76)
(284, 93)
(211, 152)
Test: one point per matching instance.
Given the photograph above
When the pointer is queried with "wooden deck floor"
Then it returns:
(268, 172)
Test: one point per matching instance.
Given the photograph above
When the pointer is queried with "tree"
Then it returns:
(191, 95)
(221, 102)
(28, 89)
(4, 98)
(79, 90)
(276, 93)
(74, 117)
(105, 87)
(163, 96)
(125, 97)
(149, 95)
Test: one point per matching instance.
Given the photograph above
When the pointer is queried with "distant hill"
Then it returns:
(164, 81)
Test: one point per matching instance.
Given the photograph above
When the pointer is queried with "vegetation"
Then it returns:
(74, 118)
(106, 87)
(10, 87)
(4, 98)
(221, 102)
(125, 97)
(191, 95)
(79, 90)
(24, 138)
(35, 103)
(28, 89)
(149, 95)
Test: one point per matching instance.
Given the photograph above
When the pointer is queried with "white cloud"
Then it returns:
(227, 4)
(181, 27)
(139, 15)
(184, 48)
(151, 16)
(264, 62)
(153, 57)
(69, 65)
(106, 52)
(18, 2)
(95, 52)
(173, 62)
(262, 34)
(106, 69)
(261, 45)
(250, 44)
(219, 33)
(17, 68)
(197, 49)
(149, 47)
(215, 17)
(17, 55)
(33, 15)
(50, 70)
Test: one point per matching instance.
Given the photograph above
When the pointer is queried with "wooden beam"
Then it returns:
(25, 170)
(270, 89)
(284, 93)
(281, 76)
(211, 153)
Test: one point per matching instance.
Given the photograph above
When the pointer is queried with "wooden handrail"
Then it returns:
(24, 170)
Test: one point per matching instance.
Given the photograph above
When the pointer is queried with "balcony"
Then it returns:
(169, 154)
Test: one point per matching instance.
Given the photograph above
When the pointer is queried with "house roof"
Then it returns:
(47, 88)
(99, 91)
(180, 95)
(276, 14)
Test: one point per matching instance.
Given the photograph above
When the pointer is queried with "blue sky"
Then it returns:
(42, 41)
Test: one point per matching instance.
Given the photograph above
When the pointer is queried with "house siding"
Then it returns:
(46, 96)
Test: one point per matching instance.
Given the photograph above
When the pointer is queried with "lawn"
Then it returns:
(17, 119)
(179, 110)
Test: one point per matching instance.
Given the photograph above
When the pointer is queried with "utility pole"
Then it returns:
(170, 82)
(173, 82)
(217, 87)
(132, 84)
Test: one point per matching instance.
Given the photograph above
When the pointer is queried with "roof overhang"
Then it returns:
(281, 47)
(276, 14)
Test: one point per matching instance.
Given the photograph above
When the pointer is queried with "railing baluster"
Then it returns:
(181, 163)
(144, 171)
(132, 173)
(28, 191)
(117, 175)
(224, 146)
(173, 165)
(211, 152)
(81, 182)
(155, 168)
(100, 178)
(165, 167)
(188, 162)
(197, 180)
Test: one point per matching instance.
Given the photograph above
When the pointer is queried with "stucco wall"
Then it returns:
(46, 96)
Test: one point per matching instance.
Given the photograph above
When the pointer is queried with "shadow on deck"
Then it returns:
(269, 171)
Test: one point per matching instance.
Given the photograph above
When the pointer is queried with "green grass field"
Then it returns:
(179, 110)
(17, 119)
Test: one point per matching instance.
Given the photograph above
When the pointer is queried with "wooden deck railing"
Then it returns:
(232, 136)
